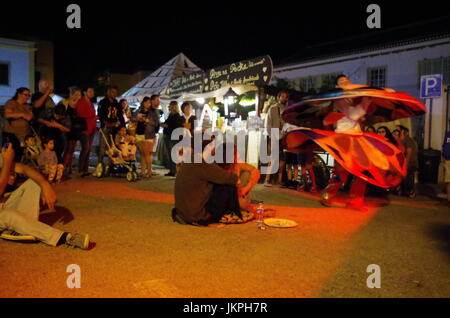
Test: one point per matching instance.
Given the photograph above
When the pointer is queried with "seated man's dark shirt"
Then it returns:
(193, 188)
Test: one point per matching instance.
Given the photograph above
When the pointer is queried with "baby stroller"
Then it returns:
(117, 166)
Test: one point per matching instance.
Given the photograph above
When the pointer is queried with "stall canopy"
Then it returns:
(159, 80)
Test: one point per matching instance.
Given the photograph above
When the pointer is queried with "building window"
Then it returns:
(328, 82)
(4, 74)
(308, 84)
(435, 66)
(376, 76)
(315, 84)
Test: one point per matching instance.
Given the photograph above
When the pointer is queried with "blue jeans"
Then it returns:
(86, 141)
(169, 145)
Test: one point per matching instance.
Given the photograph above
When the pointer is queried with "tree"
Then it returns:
(327, 84)
(281, 83)
(102, 80)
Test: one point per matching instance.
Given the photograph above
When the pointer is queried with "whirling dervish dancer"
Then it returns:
(367, 156)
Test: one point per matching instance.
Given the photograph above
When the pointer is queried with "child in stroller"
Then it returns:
(31, 152)
(122, 156)
(126, 144)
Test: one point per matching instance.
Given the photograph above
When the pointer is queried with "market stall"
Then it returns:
(229, 99)
(158, 82)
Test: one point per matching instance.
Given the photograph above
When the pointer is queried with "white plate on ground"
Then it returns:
(280, 223)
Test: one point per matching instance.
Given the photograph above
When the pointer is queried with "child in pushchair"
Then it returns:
(126, 144)
(122, 156)
(31, 152)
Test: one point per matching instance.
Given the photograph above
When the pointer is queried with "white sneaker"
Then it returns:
(78, 240)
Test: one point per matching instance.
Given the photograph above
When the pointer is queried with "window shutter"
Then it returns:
(4, 74)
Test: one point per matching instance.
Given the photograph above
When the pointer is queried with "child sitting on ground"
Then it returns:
(32, 152)
(48, 162)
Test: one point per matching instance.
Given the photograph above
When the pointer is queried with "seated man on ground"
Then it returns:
(19, 211)
(204, 193)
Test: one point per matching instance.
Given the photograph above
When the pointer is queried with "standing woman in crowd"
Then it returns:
(54, 123)
(370, 129)
(75, 124)
(189, 118)
(396, 133)
(126, 110)
(64, 113)
(386, 133)
(173, 121)
(86, 110)
(147, 128)
(412, 161)
(18, 115)
(188, 123)
(374, 190)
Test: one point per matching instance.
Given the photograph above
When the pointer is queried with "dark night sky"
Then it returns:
(126, 36)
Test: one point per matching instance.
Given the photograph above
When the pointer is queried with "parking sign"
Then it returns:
(431, 86)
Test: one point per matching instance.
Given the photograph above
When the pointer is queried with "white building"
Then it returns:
(395, 65)
(17, 67)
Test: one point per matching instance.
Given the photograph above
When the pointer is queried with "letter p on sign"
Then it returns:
(430, 83)
(431, 86)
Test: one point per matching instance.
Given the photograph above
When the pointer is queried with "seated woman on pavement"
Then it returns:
(248, 175)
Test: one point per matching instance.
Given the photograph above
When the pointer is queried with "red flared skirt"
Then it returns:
(367, 156)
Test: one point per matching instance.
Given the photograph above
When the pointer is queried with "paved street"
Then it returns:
(140, 252)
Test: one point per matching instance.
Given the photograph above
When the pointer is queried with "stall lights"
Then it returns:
(229, 99)
(247, 102)
(225, 106)
(230, 96)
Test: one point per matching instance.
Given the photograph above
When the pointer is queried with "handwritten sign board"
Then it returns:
(257, 71)
(190, 83)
